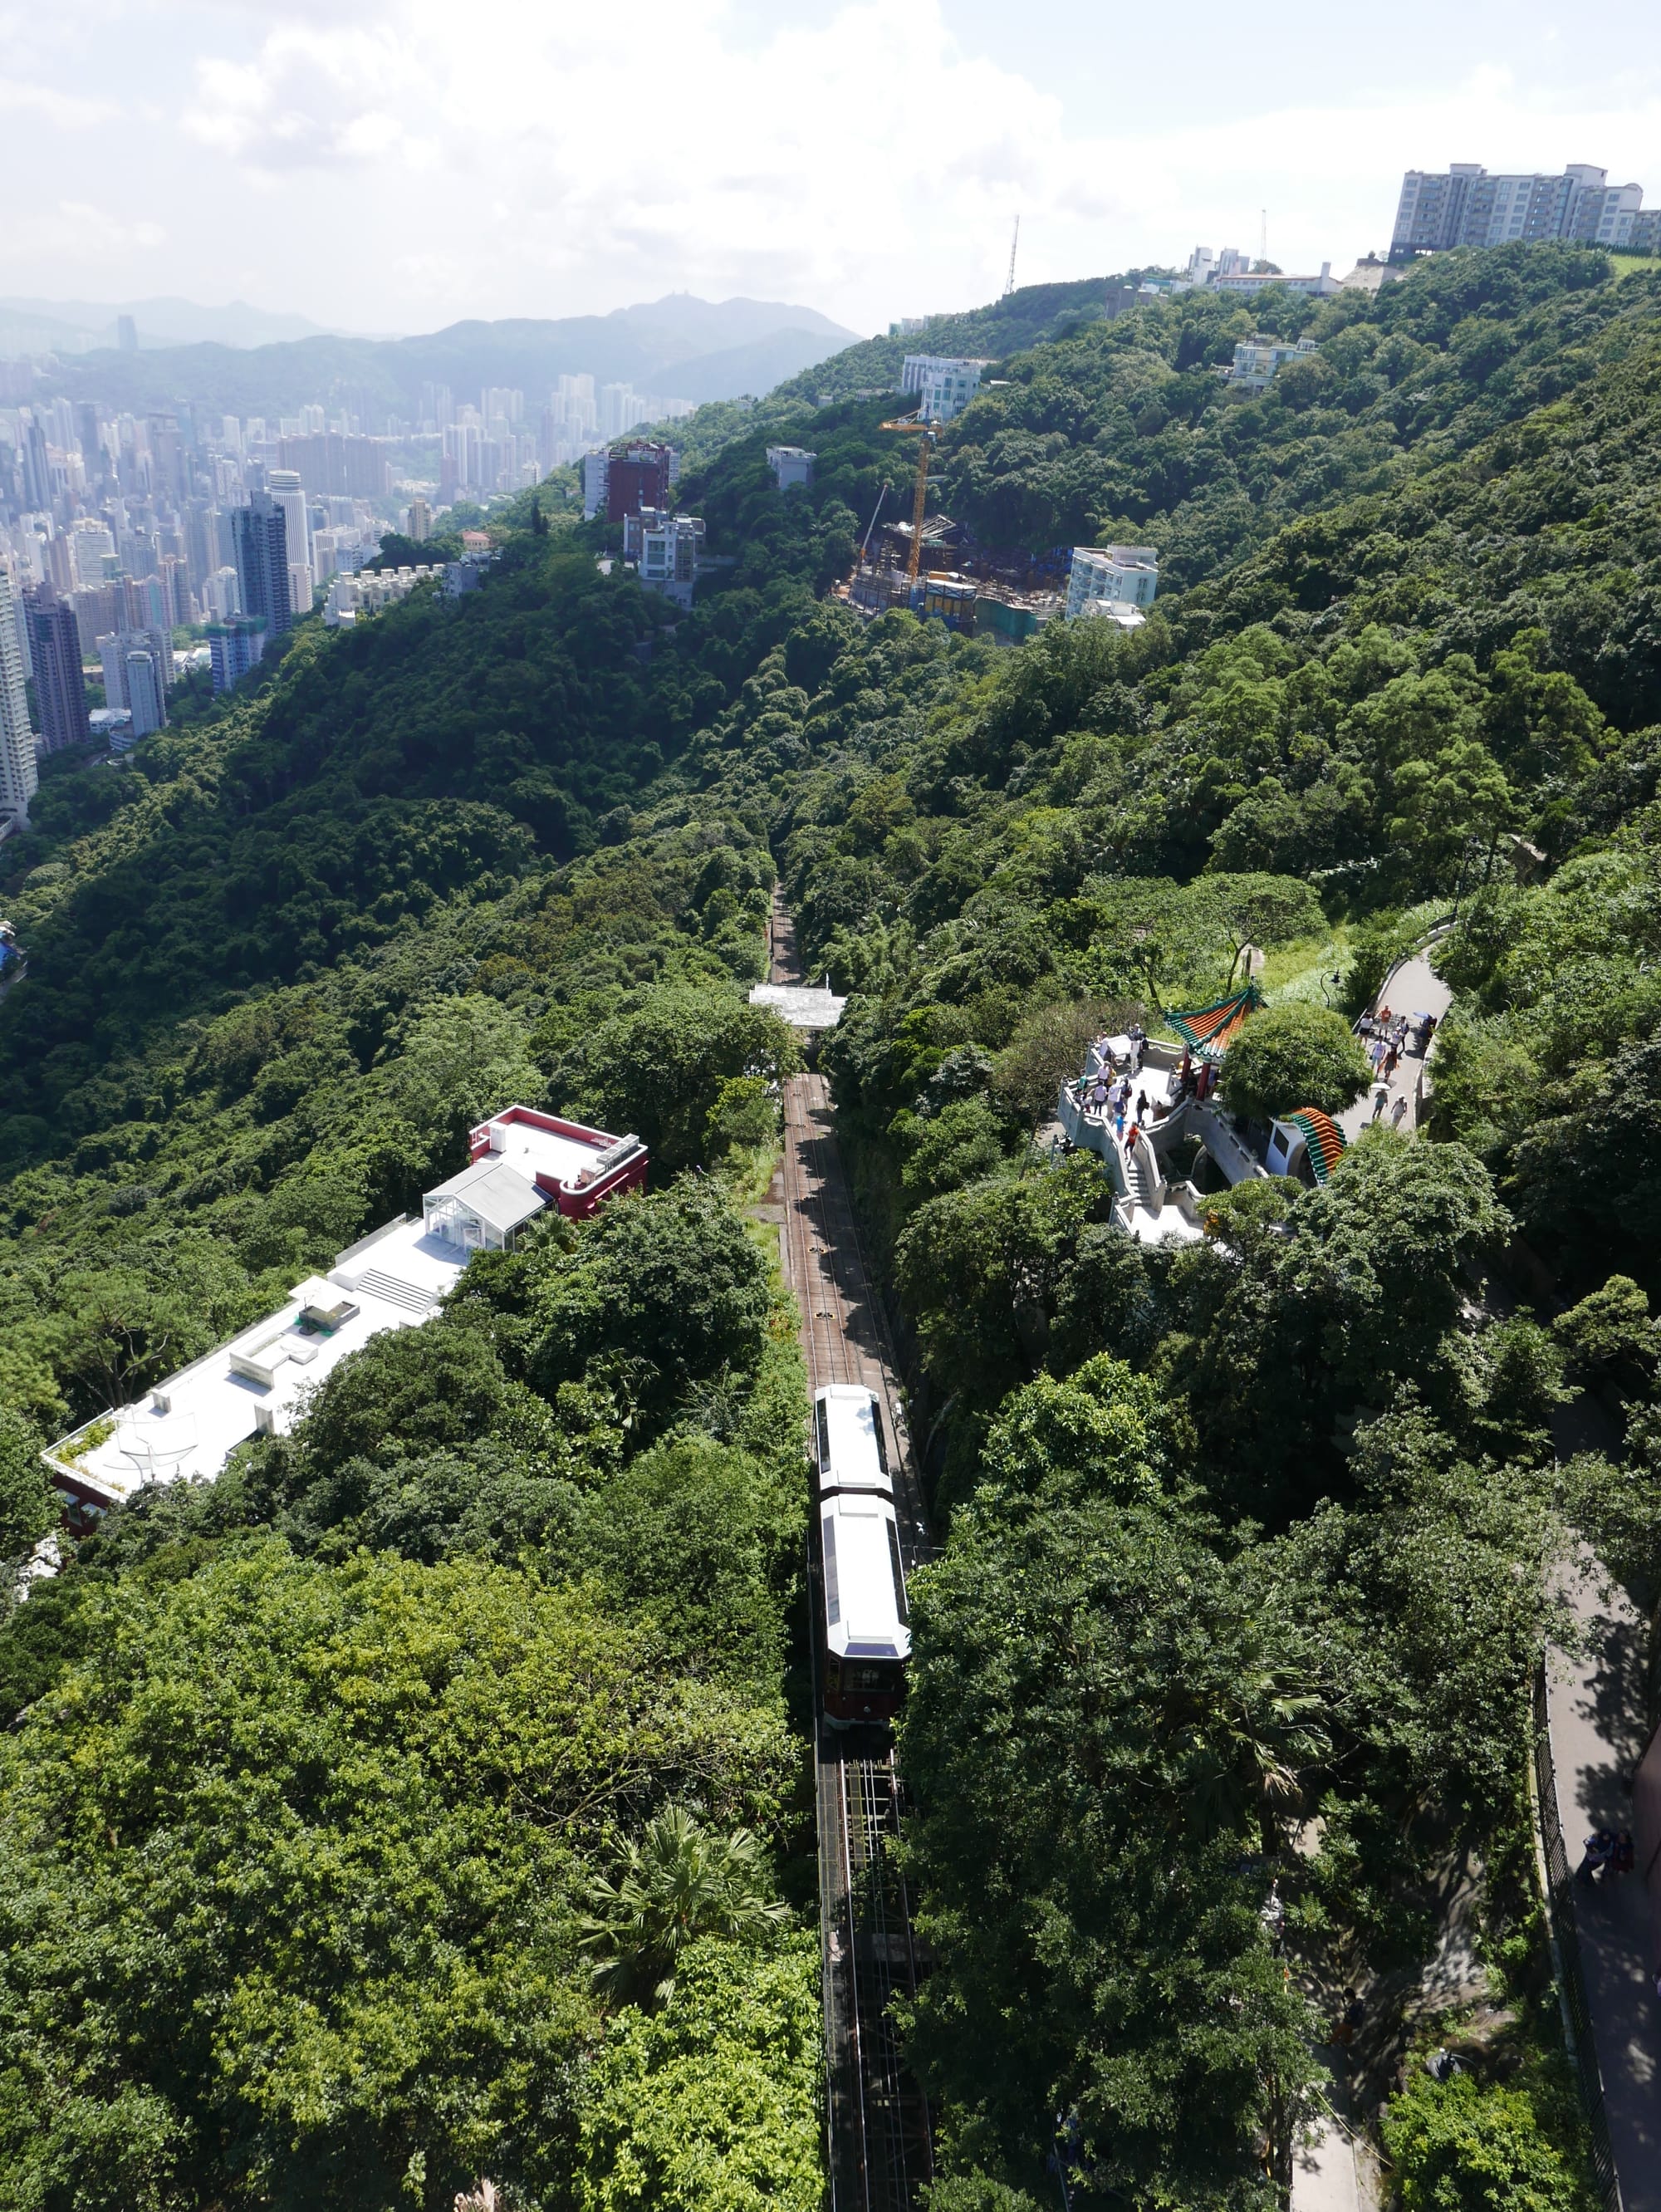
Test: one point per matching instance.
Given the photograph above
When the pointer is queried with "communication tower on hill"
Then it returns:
(1013, 242)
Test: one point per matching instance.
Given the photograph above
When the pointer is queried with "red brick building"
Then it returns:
(639, 473)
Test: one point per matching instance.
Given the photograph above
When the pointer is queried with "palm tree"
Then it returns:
(682, 1881)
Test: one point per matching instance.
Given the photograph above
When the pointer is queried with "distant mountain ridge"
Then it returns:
(87, 326)
(679, 347)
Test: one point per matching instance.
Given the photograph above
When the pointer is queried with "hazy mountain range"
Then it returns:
(678, 347)
(31, 326)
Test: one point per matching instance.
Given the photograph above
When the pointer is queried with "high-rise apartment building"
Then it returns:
(88, 439)
(167, 458)
(621, 408)
(92, 542)
(1463, 205)
(117, 653)
(18, 773)
(289, 493)
(37, 467)
(126, 334)
(596, 469)
(260, 532)
(146, 690)
(234, 648)
(325, 463)
(420, 521)
(55, 655)
(219, 596)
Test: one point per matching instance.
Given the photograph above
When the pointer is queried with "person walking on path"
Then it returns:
(1398, 1113)
(1380, 1098)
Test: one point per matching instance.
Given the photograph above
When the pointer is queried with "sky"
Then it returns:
(394, 165)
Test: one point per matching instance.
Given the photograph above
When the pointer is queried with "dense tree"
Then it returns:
(712, 2100)
(664, 1069)
(1048, 1049)
(335, 1833)
(27, 1508)
(1354, 1296)
(1084, 1678)
(1460, 2146)
(980, 1269)
(1294, 1055)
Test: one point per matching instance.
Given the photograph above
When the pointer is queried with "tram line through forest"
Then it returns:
(879, 2143)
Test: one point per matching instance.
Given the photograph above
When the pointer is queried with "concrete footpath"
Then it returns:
(1412, 989)
(1595, 1710)
(1327, 2176)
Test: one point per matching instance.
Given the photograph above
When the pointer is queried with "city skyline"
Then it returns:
(479, 190)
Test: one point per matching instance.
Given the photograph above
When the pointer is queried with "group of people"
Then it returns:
(1607, 1853)
(1112, 1100)
(1102, 1052)
(1386, 1037)
(1106, 1089)
(1386, 1040)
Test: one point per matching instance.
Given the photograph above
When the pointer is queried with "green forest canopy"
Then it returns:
(1267, 1521)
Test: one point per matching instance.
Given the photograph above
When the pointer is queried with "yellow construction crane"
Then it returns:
(929, 431)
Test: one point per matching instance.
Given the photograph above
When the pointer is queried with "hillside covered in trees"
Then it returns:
(344, 1796)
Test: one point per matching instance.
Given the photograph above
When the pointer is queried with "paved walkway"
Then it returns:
(1412, 989)
(1596, 1710)
(1325, 2174)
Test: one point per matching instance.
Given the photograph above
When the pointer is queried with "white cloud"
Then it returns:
(523, 158)
(64, 111)
(85, 226)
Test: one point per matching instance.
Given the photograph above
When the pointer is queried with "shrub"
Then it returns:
(1460, 2147)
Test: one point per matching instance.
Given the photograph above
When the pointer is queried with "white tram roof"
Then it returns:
(846, 1415)
(865, 1613)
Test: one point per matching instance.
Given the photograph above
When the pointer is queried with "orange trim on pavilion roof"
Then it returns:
(1325, 1139)
(1210, 1030)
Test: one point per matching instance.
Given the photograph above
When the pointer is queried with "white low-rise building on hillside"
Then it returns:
(523, 1163)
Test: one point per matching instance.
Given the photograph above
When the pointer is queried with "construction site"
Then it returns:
(938, 569)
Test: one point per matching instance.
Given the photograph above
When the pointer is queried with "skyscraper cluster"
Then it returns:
(118, 529)
(502, 444)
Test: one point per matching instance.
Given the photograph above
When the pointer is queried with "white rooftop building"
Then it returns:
(356, 597)
(791, 465)
(1248, 283)
(667, 549)
(804, 1006)
(1256, 359)
(945, 383)
(1121, 575)
(260, 1382)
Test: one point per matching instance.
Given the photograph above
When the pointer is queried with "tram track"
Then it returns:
(879, 2143)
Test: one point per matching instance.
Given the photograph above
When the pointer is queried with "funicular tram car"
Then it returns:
(864, 1624)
